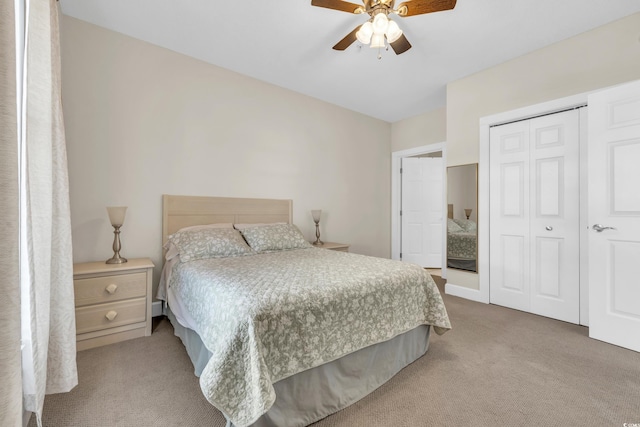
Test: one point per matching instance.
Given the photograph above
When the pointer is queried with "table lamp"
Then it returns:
(116, 216)
(316, 213)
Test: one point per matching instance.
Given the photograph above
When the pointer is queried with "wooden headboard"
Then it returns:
(450, 211)
(185, 211)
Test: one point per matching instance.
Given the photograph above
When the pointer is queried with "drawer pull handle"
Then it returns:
(111, 315)
(112, 288)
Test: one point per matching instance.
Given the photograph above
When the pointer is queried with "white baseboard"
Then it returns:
(156, 308)
(464, 292)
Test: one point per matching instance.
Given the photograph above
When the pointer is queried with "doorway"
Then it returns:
(398, 193)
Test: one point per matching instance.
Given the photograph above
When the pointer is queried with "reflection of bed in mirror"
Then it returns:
(462, 230)
(462, 243)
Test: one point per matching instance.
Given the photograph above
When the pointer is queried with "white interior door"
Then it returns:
(534, 216)
(422, 211)
(614, 214)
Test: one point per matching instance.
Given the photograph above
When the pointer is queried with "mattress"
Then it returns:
(268, 317)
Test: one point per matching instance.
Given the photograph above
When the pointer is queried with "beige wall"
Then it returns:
(602, 57)
(424, 129)
(142, 121)
(596, 59)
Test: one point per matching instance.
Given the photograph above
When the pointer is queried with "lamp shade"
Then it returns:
(116, 214)
(393, 31)
(316, 213)
(364, 33)
(377, 41)
(380, 23)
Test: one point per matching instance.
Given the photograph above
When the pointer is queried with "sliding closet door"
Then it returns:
(509, 265)
(534, 216)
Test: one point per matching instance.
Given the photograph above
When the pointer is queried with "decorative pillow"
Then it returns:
(453, 227)
(209, 243)
(466, 225)
(276, 237)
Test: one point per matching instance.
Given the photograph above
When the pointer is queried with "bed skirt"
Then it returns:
(316, 393)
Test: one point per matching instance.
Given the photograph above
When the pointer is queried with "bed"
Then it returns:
(285, 334)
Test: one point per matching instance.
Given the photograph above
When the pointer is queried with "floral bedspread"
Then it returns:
(462, 245)
(266, 317)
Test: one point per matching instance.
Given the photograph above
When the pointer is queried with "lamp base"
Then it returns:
(116, 258)
(317, 243)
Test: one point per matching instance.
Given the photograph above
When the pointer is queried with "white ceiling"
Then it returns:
(288, 43)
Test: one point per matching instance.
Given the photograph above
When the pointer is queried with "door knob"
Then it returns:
(600, 228)
(548, 228)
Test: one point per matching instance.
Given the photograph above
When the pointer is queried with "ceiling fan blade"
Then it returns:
(347, 40)
(338, 5)
(420, 7)
(401, 45)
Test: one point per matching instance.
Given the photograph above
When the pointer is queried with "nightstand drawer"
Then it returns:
(97, 290)
(111, 315)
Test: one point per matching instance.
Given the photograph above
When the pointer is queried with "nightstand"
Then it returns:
(342, 247)
(113, 301)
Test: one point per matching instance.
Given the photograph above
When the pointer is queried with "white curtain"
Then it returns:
(10, 375)
(47, 306)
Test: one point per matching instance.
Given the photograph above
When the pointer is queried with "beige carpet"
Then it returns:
(497, 367)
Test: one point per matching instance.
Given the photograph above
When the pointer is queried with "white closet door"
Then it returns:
(555, 215)
(614, 201)
(534, 206)
(422, 211)
(509, 216)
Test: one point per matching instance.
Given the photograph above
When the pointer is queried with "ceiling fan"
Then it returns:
(379, 27)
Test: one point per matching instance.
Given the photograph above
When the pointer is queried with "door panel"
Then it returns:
(513, 264)
(555, 216)
(422, 207)
(614, 201)
(548, 274)
(624, 169)
(509, 216)
(512, 189)
(550, 191)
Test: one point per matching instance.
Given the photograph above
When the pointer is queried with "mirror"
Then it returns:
(462, 221)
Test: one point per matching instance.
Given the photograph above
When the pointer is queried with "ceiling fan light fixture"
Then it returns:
(393, 32)
(364, 33)
(377, 40)
(380, 24)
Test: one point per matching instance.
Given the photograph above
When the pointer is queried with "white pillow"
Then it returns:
(453, 226)
(209, 242)
(466, 225)
(275, 237)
